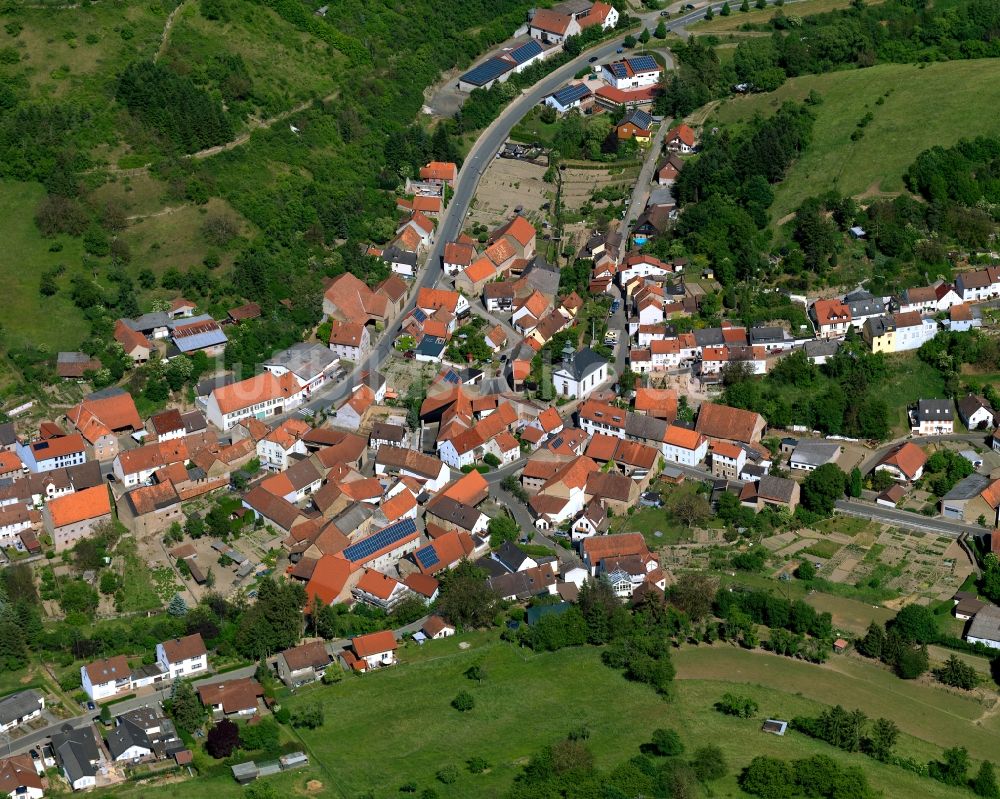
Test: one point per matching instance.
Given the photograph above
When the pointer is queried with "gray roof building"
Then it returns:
(17, 706)
(77, 752)
(934, 410)
(580, 365)
(811, 455)
(306, 361)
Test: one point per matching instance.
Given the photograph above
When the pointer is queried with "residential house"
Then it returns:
(371, 651)
(69, 518)
(929, 299)
(379, 590)
(905, 462)
(563, 495)
(551, 27)
(728, 460)
(976, 413)
(238, 697)
(20, 779)
(436, 628)
(978, 285)
(276, 449)
(570, 96)
(440, 172)
(432, 473)
(593, 520)
(19, 708)
(771, 491)
(668, 170)
(636, 72)
(523, 585)
(106, 677)
(261, 396)
(78, 755)
(680, 139)
(133, 467)
(182, 657)
(963, 317)
(142, 734)
(457, 257)
(684, 446)
(637, 124)
(932, 417)
(135, 344)
(863, 306)
(310, 364)
(831, 317)
(47, 454)
(303, 664)
(350, 341)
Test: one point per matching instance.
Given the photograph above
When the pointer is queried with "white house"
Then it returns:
(311, 365)
(985, 627)
(374, 650)
(976, 413)
(933, 417)
(182, 657)
(53, 453)
(20, 778)
(79, 756)
(570, 96)
(436, 628)
(684, 446)
(634, 72)
(580, 373)
(350, 341)
(261, 396)
(20, 708)
(107, 677)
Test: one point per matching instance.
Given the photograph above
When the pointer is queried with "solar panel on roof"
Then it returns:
(570, 94)
(487, 71)
(452, 378)
(525, 51)
(643, 63)
(383, 538)
(427, 556)
(419, 315)
(618, 69)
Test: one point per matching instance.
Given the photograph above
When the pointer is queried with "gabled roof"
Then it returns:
(907, 457)
(377, 584)
(95, 418)
(312, 655)
(732, 424)
(439, 170)
(374, 643)
(108, 670)
(254, 390)
(546, 19)
(91, 503)
(178, 650)
(681, 133)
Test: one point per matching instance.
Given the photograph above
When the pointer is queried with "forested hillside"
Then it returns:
(162, 135)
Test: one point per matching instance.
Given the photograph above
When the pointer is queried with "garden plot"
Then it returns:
(507, 184)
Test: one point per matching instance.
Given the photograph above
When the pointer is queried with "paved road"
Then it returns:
(907, 519)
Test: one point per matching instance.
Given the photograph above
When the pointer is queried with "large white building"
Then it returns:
(634, 72)
(182, 657)
(262, 396)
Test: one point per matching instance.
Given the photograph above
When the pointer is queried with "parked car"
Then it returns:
(620, 50)
(664, 13)
(91, 706)
(592, 59)
(611, 338)
(615, 305)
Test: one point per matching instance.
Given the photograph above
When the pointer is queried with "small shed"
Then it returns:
(245, 773)
(840, 645)
(775, 726)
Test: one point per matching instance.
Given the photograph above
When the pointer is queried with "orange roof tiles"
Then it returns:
(469, 489)
(130, 339)
(422, 584)
(377, 584)
(482, 269)
(461, 254)
(500, 251)
(398, 505)
(682, 437)
(724, 449)
(328, 579)
(254, 390)
(602, 447)
(100, 417)
(658, 402)
(907, 457)
(348, 334)
(439, 170)
(683, 133)
(374, 643)
(91, 503)
(829, 312)
(519, 228)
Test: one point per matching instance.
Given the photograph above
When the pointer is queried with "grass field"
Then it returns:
(30, 317)
(909, 379)
(925, 712)
(849, 614)
(387, 728)
(928, 104)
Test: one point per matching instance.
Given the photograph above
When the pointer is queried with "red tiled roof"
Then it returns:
(374, 643)
(439, 170)
(253, 390)
(377, 584)
(91, 503)
(328, 579)
(682, 132)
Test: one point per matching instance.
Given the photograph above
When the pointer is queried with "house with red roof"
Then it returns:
(261, 396)
(680, 139)
(439, 172)
(832, 318)
(74, 516)
(457, 256)
(372, 651)
(379, 590)
(101, 421)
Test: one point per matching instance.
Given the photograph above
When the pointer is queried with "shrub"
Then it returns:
(477, 765)
(463, 701)
(448, 774)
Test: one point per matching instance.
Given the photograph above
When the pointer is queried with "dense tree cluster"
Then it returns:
(817, 776)
(902, 642)
(187, 117)
(835, 398)
(851, 731)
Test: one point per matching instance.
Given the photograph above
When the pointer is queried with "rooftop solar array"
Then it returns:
(643, 63)
(570, 94)
(383, 538)
(526, 51)
(618, 69)
(427, 556)
(486, 72)
(639, 118)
